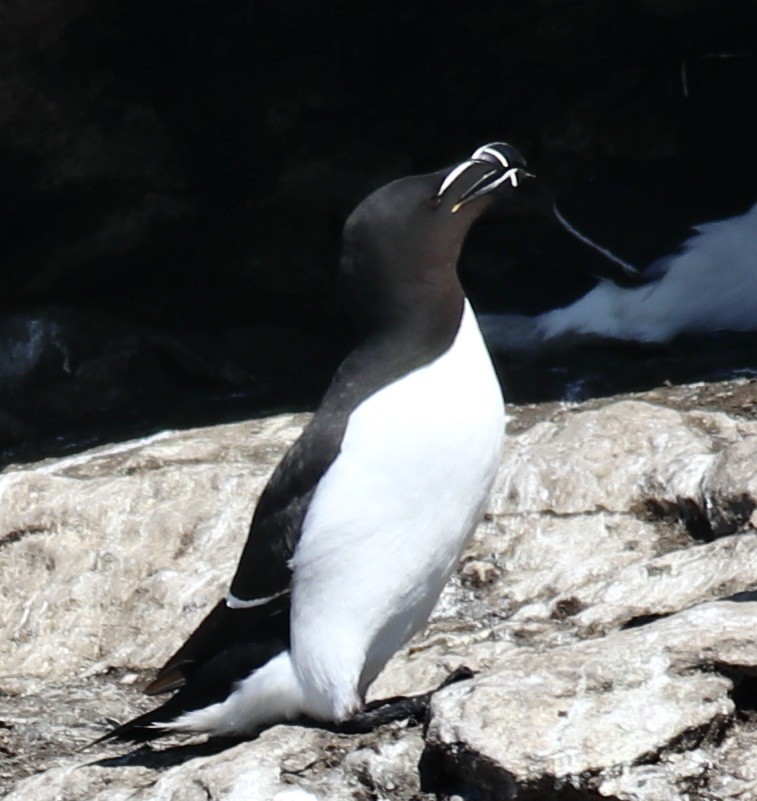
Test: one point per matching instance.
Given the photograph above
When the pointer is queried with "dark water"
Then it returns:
(69, 381)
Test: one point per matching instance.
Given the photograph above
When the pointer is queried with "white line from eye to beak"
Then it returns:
(453, 176)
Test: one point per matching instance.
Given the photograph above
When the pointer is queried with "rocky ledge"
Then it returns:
(607, 605)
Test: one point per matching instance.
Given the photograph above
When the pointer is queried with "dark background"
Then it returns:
(175, 176)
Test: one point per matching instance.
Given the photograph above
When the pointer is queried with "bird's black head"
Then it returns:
(402, 243)
(450, 199)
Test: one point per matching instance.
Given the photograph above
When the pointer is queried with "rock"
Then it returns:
(595, 706)
(590, 603)
(288, 764)
(99, 543)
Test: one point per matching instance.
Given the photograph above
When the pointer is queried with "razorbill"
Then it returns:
(365, 518)
(709, 285)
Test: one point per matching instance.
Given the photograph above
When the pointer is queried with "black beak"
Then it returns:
(504, 165)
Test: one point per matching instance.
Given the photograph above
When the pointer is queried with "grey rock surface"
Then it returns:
(602, 705)
(592, 602)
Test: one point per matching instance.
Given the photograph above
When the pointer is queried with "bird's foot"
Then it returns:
(413, 708)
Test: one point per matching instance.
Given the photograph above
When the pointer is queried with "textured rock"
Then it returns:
(281, 765)
(536, 724)
(629, 453)
(587, 602)
(98, 544)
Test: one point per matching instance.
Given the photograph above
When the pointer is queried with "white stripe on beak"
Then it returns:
(486, 150)
(474, 191)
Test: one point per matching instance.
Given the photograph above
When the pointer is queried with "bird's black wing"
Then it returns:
(261, 584)
(263, 569)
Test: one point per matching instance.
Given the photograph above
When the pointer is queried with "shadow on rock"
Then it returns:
(157, 759)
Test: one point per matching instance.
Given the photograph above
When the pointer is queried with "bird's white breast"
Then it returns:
(390, 518)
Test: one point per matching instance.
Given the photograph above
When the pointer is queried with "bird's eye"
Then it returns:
(434, 202)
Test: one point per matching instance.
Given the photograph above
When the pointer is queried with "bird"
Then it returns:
(707, 285)
(364, 519)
